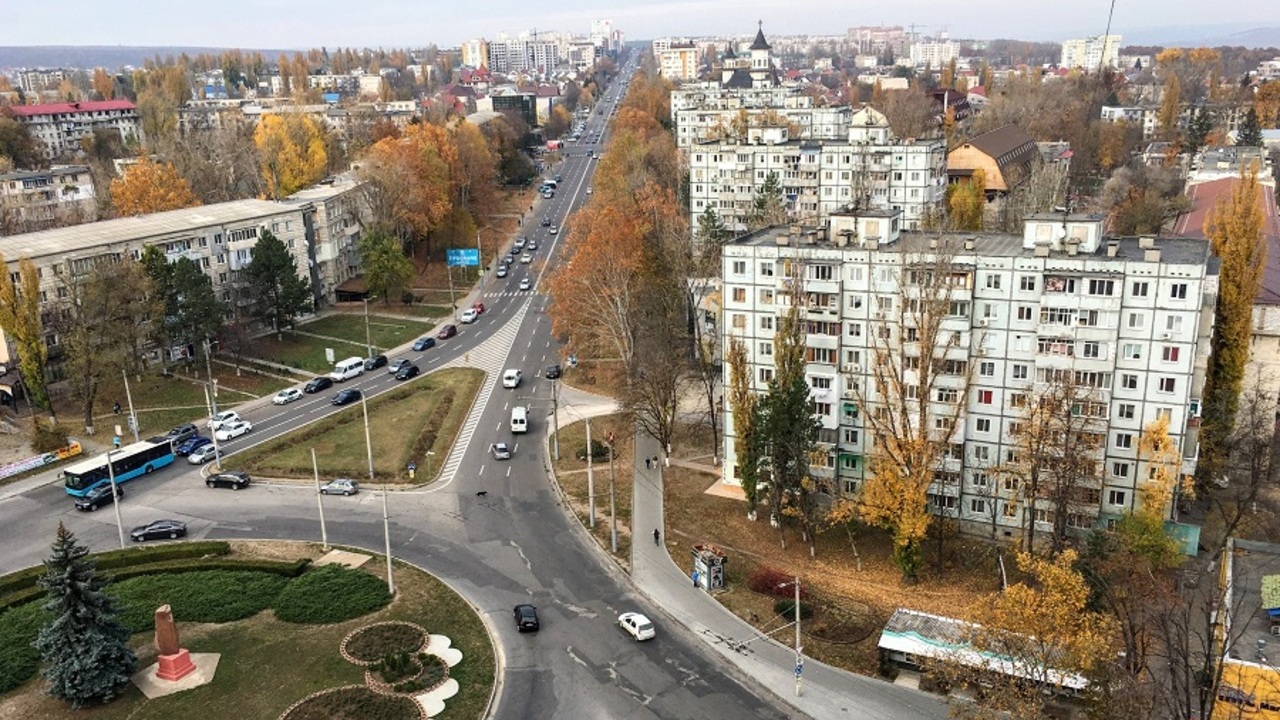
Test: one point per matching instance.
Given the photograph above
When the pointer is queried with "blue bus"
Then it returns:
(127, 463)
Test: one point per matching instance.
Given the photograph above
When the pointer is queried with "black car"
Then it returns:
(318, 384)
(180, 433)
(159, 529)
(191, 444)
(553, 372)
(546, 222)
(98, 497)
(234, 479)
(375, 362)
(344, 397)
(408, 371)
(424, 343)
(526, 617)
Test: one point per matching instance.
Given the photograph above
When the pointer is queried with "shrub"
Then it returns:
(48, 438)
(19, 659)
(111, 559)
(271, 567)
(397, 666)
(355, 703)
(769, 580)
(20, 598)
(786, 607)
(214, 596)
(331, 594)
(375, 641)
(599, 451)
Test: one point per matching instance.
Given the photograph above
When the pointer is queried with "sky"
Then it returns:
(395, 23)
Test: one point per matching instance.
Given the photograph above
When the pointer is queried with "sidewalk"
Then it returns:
(826, 692)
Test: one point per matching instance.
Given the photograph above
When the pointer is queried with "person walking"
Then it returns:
(648, 463)
(656, 535)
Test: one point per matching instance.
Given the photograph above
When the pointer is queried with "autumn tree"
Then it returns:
(387, 271)
(273, 280)
(742, 403)
(158, 117)
(293, 152)
(1234, 229)
(21, 320)
(19, 146)
(1266, 104)
(559, 122)
(1170, 108)
(966, 202)
(1140, 199)
(473, 171)
(911, 113)
(408, 181)
(913, 398)
(220, 164)
(150, 187)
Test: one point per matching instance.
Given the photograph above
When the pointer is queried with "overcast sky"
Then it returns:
(395, 23)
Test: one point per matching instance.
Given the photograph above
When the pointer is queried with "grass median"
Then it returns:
(571, 472)
(384, 332)
(404, 424)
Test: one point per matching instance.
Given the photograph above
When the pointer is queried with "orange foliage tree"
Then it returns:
(148, 187)
(293, 151)
(409, 180)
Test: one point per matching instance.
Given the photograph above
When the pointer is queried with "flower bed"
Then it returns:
(367, 645)
(354, 702)
(407, 674)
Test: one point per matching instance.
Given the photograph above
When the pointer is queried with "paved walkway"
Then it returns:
(825, 692)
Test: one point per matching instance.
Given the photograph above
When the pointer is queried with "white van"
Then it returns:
(519, 419)
(347, 369)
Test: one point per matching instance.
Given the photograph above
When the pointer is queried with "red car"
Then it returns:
(479, 308)
(447, 332)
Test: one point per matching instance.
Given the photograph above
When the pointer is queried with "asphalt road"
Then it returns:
(515, 544)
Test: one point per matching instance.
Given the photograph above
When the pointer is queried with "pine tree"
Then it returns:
(1250, 132)
(273, 279)
(1199, 129)
(85, 648)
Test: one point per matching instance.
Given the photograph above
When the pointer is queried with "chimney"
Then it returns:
(969, 243)
(822, 234)
(1146, 243)
(1151, 256)
(933, 243)
(1113, 248)
(811, 238)
(842, 240)
(1042, 251)
(781, 239)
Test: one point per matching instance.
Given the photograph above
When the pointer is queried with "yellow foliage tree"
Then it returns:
(1170, 107)
(293, 152)
(149, 187)
(1266, 103)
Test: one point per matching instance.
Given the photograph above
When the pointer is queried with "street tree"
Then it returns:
(966, 202)
(408, 181)
(293, 152)
(186, 308)
(474, 172)
(1250, 132)
(220, 164)
(1234, 229)
(21, 320)
(1198, 130)
(387, 271)
(281, 293)
(1140, 199)
(84, 646)
(91, 347)
(1170, 108)
(743, 402)
(149, 187)
(1266, 104)
(19, 146)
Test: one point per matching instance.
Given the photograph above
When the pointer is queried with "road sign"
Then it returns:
(799, 668)
(463, 257)
(413, 466)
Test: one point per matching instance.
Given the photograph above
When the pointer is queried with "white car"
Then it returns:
(500, 451)
(636, 625)
(201, 455)
(526, 283)
(511, 378)
(554, 229)
(284, 397)
(232, 430)
(223, 418)
(588, 191)
(469, 316)
(525, 259)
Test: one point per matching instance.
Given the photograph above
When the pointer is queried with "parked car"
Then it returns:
(233, 430)
(346, 397)
(502, 271)
(341, 486)
(182, 433)
(636, 625)
(525, 283)
(511, 378)
(447, 332)
(500, 451)
(423, 344)
(159, 529)
(588, 188)
(98, 497)
(519, 244)
(408, 371)
(286, 396)
(222, 418)
(192, 444)
(202, 454)
(553, 372)
(234, 479)
(526, 617)
(398, 365)
(375, 362)
(323, 382)
(469, 316)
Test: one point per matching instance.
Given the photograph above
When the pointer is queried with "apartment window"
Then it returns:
(1164, 413)
(1019, 372)
(981, 453)
(1090, 318)
(1132, 351)
(1129, 381)
(739, 294)
(1027, 283)
(766, 322)
(766, 269)
(946, 395)
(985, 397)
(977, 506)
(1017, 400)
(1060, 285)
(1010, 484)
(1178, 291)
(855, 329)
(1091, 350)
(1124, 441)
(993, 281)
(1117, 497)
(222, 259)
(983, 425)
(1120, 469)
(1168, 384)
(62, 291)
(980, 479)
(821, 272)
(766, 296)
(1173, 323)
(766, 349)
(739, 321)
(1140, 289)
(912, 334)
(911, 391)
(851, 436)
(821, 408)
(1010, 510)
(1137, 321)
(820, 383)
(1102, 287)
(987, 369)
(1025, 312)
(959, 308)
(766, 375)
(1170, 353)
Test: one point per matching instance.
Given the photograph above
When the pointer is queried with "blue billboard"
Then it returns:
(463, 258)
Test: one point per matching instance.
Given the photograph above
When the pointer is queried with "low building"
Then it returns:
(1006, 156)
(33, 200)
(61, 126)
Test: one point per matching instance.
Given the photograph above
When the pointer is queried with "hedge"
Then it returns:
(19, 659)
(27, 578)
(212, 596)
(331, 594)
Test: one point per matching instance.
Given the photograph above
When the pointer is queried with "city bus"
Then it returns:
(127, 463)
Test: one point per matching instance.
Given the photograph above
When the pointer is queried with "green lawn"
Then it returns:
(403, 424)
(384, 332)
(162, 402)
(302, 352)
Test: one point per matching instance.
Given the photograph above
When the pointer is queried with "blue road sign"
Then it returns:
(799, 669)
(462, 257)
(413, 466)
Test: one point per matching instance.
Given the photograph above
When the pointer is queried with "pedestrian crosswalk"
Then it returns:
(508, 293)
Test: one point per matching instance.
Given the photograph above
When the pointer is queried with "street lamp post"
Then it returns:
(429, 475)
(217, 451)
(324, 533)
(591, 482)
(613, 508)
(555, 422)
(799, 648)
(386, 522)
(368, 341)
(133, 417)
(115, 497)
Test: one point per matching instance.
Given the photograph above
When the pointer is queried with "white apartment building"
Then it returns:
(40, 199)
(701, 110)
(475, 53)
(867, 168)
(341, 212)
(37, 79)
(61, 126)
(1146, 118)
(934, 53)
(1091, 53)
(523, 54)
(1130, 318)
(679, 63)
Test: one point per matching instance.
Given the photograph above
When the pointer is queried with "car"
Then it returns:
(559, 179)
(500, 451)
(447, 332)
(408, 371)
(553, 372)
(511, 378)
(375, 362)
(424, 343)
(525, 283)
(397, 365)
(286, 396)
(341, 486)
(588, 191)
(323, 382)
(548, 194)
(502, 271)
(346, 397)
(182, 433)
(222, 418)
(519, 244)
(526, 617)
(478, 307)
(469, 316)
(97, 497)
(202, 454)
(233, 430)
(531, 247)
(514, 252)
(525, 259)
(234, 479)
(546, 222)
(637, 625)
(159, 529)
(192, 444)
(554, 230)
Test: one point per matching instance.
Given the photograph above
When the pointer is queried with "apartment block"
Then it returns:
(1128, 320)
(1091, 53)
(61, 126)
(340, 213)
(936, 54)
(41, 199)
(679, 63)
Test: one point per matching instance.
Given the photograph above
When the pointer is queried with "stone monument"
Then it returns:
(174, 662)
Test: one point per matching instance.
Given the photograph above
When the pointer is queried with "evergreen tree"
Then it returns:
(84, 647)
(1250, 132)
(387, 271)
(273, 280)
(1200, 127)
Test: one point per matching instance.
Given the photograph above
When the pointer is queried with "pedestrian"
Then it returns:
(656, 535)
(648, 463)
(695, 578)
(116, 407)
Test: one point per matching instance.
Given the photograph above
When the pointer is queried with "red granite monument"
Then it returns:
(174, 662)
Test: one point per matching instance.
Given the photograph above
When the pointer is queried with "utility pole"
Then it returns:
(613, 508)
(555, 423)
(368, 343)
(133, 417)
(115, 497)
(217, 453)
(591, 482)
(315, 469)
(208, 366)
(386, 523)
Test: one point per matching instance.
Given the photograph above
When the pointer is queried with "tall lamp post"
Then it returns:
(315, 469)
(133, 417)
(799, 648)
(613, 508)
(386, 522)
(368, 339)
(115, 496)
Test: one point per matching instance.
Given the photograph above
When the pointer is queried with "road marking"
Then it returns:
(509, 469)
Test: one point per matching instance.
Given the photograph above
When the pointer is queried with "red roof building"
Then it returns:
(1204, 196)
(61, 126)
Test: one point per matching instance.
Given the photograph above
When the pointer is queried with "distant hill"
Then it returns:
(109, 56)
(1205, 36)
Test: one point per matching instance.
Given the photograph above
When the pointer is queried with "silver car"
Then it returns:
(341, 486)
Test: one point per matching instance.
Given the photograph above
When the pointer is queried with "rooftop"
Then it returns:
(1249, 623)
(1204, 196)
(76, 107)
(52, 172)
(1004, 140)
